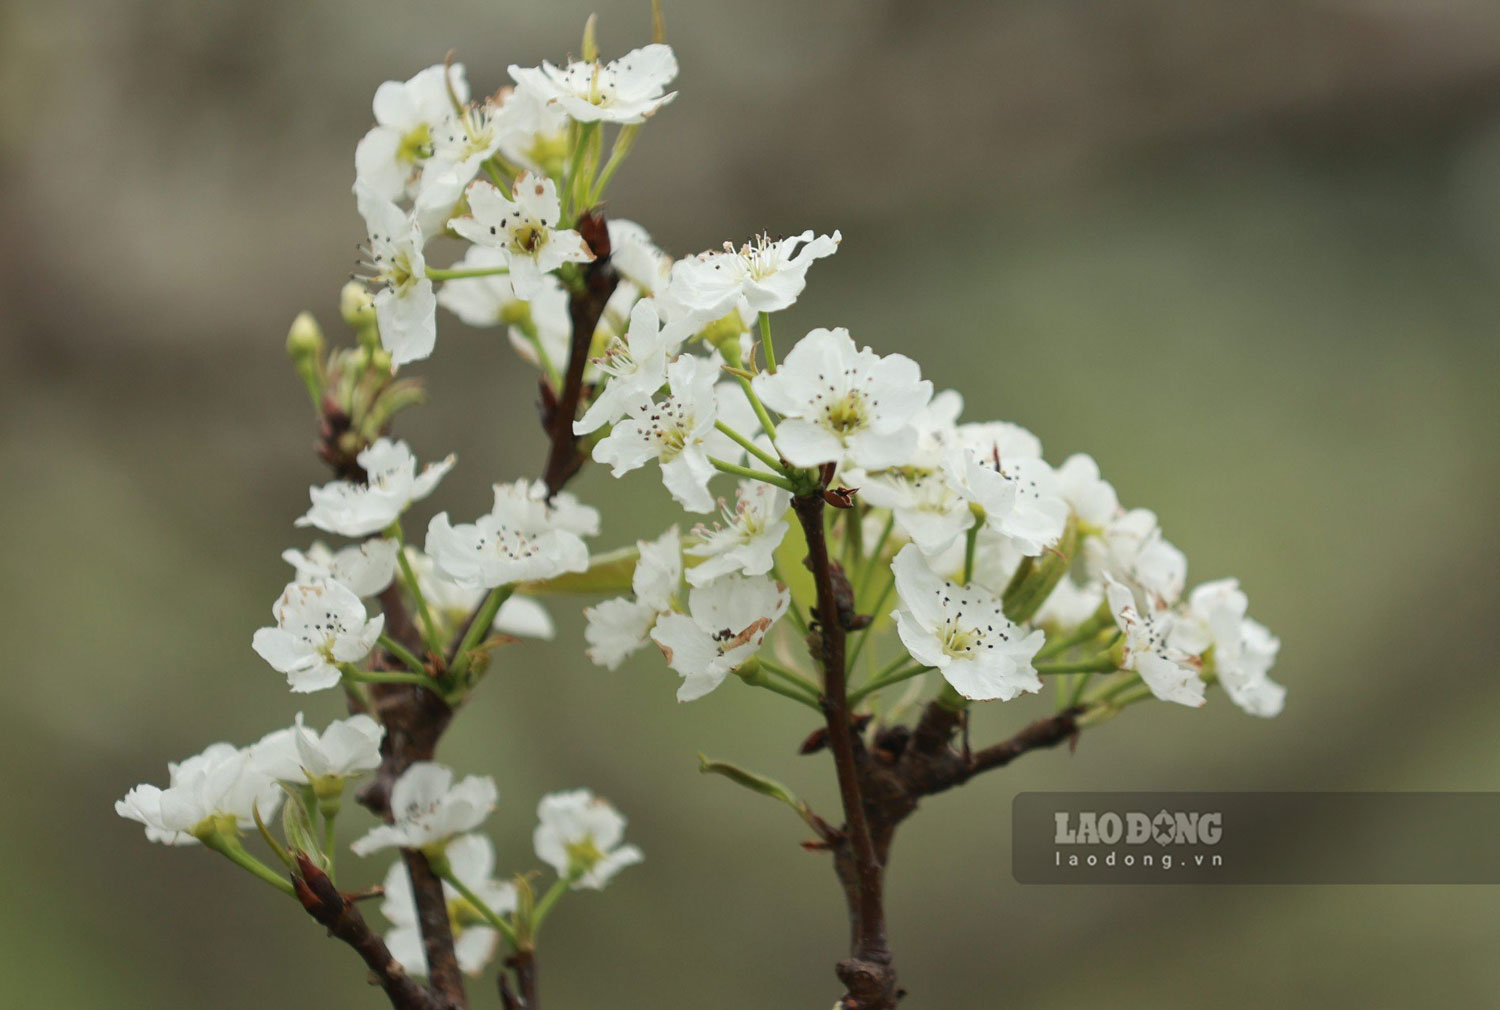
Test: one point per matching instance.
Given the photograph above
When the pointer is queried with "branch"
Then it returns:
(867, 974)
(335, 912)
(586, 305)
(929, 765)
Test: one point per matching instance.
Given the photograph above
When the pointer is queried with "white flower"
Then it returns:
(618, 627)
(407, 117)
(999, 467)
(1091, 498)
(391, 484)
(726, 622)
(1131, 549)
(472, 860)
(579, 836)
(673, 431)
(215, 791)
(346, 748)
(429, 809)
(535, 134)
(405, 306)
(844, 403)
(464, 142)
(524, 228)
(636, 367)
(626, 90)
(1147, 648)
(1070, 604)
(1243, 649)
(452, 604)
(747, 541)
(764, 275)
(365, 568)
(492, 301)
(636, 258)
(319, 625)
(523, 537)
(963, 632)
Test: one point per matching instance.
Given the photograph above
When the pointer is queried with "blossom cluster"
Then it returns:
(956, 548)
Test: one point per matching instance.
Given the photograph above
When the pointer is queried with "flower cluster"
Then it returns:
(850, 516)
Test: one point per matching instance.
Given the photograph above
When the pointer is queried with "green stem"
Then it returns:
(490, 915)
(765, 341)
(971, 544)
(429, 626)
(478, 627)
(750, 447)
(1099, 664)
(873, 562)
(885, 680)
(745, 471)
(791, 676)
(402, 653)
(760, 408)
(1085, 631)
(389, 677)
(556, 891)
(1080, 682)
(441, 274)
(758, 678)
(230, 848)
(864, 636)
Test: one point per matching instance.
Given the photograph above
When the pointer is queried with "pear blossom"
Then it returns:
(747, 540)
(843, 403)
(1146, 647)
(637, 259)
(348, 747)
(538, 327)
(579, 836)
(365, 568)
(471, 858)
(672, 431)
(405, 305)
(636, 368)
(391, 484)
(407, 116)
(452, 604)
(724, 626)
(466, 140)
(626, 90)
(1131, 549)
(319, 625)
(1091, 498)
(963, 632)
(523, 537)
(536, 131)
(524, 228)
(618, 627)
(1243, 649)
(1070, 604)
(217, 790)
(763, 275)
(429, 810)
(999, 467)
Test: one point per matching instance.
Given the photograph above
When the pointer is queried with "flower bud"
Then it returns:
(356, 305)
(724, 333)
(305, 339)
(304, 345)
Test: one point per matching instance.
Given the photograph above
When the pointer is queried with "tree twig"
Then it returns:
(868, 973)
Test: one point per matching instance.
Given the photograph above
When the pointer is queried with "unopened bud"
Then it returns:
(356, 305)
(305, 338)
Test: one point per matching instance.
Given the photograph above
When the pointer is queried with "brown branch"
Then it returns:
(523, 964)
(560, 407)
(868, 973)
(335, 912)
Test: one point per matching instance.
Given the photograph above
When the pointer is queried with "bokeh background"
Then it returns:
(1245, 254)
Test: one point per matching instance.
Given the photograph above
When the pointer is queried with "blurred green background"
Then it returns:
(1245, 254)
